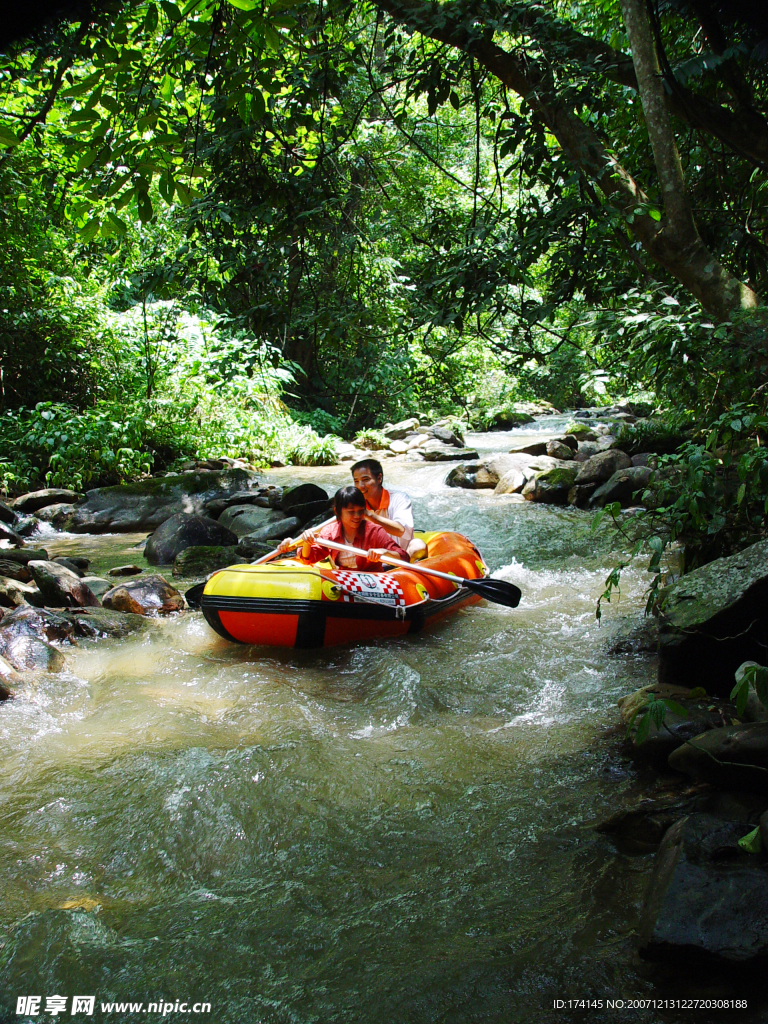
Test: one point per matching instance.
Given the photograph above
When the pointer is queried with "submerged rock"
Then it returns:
(98, 622)
(30, 653)
(715, 618)
(38, 622)
(708, 900)
(150, 595)
(97, 584)
(185, 531)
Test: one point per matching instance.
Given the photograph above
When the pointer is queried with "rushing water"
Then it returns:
(399, 831)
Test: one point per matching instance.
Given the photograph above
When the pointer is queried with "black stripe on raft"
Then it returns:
(310, 631)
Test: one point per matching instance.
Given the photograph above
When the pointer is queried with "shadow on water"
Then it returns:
(398, 831)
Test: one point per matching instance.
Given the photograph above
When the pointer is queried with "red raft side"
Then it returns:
(243, 611)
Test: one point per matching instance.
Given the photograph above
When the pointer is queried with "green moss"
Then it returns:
(186, 483)
(558, 477)
(578, 429)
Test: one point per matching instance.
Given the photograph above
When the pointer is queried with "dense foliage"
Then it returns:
(239, 227)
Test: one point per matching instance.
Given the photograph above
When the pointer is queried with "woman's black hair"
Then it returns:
(346, 496)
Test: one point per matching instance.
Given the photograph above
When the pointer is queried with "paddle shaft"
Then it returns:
(266, 558)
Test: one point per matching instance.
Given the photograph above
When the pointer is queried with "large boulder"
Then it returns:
(447, 436)
(707, 901)
(149, 595)
(35, 500)
(60, 587)
(304, 502)
(244, 519)
(622, 487)
(265, 497)
(601, 467)
(715, 618)
(732, 757)
(397, 431)
(552, 486)
(200, 560)
(146, 504)
(185, 530)
(274, 532)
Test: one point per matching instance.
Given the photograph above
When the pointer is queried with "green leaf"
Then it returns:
(258, 105)
(150, 21)
(167, 87)
(87, 159)
(89, 232)
(740, 493)
(654, 214)
(171, 10)
(145, 207)
(244, 5)
(751, 842)
(7, 137)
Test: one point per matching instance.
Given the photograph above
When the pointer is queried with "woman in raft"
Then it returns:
(351, 527)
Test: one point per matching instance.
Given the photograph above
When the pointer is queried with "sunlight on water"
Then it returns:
(396, 831)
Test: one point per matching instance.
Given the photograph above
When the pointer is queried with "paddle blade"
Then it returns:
(195, 595)
(498, 591)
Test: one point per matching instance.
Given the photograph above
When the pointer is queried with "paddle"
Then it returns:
(498, 591)
(195, 594)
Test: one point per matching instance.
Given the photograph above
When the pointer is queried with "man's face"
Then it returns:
(366, 482)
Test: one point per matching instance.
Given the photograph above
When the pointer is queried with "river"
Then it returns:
(397, 831)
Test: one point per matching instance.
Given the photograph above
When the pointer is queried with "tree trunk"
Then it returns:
(682, 253)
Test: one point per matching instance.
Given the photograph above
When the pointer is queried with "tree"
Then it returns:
(540, 69)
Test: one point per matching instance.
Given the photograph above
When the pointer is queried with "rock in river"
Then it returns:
(199, 561)
(60, 587)
(244, 519)
(708, 900)
(29, 653)
(185, 531)
(715, 618)
(622, 487)
(150, 595)
(601, 467)
(148, 503)
(733, 757)
(35, 500)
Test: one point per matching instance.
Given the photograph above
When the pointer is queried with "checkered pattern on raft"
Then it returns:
(379, 587)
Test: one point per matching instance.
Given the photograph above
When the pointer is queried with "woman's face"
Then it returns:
(351, 517)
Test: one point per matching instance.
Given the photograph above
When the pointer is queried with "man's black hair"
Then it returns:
(370, 464)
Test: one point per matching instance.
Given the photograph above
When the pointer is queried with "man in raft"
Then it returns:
(389, 509)
(352, 527)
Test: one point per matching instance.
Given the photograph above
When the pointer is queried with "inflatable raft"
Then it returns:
(292, 603)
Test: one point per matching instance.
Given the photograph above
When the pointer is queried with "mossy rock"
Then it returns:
(553, 485)
(578, 429)
(650, 435)
(202, 559)
(504, 417)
